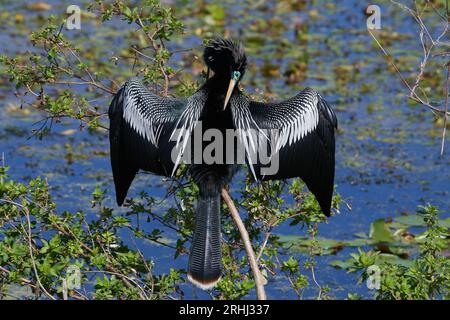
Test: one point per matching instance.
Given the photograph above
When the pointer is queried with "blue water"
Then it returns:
(370, 169)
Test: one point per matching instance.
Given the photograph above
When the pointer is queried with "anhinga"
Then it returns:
(144, 129)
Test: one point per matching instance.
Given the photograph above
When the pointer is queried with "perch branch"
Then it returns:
(259, 278)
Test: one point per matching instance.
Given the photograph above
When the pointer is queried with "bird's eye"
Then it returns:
(236, 75)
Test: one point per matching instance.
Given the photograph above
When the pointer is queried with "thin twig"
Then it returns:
(156, 48)
(444, 129)
(311, 253)
(143, 293)
(30, 246)
(291, 281)
(264, 244)
(425, 36)
(413, 95)
(86, 81)
(137, 50)
(259, 278)
(69, 233)
(319, 296)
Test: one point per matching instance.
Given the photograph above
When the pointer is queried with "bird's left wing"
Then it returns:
(300, 140)
(142, 127)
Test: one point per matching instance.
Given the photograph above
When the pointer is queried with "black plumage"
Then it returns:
(150, 133)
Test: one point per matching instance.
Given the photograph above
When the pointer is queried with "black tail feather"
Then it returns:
(205, 260)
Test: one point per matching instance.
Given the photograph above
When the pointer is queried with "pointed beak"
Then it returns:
(229, 92)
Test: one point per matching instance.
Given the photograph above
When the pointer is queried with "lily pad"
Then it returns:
(379, 231)
(380, 260)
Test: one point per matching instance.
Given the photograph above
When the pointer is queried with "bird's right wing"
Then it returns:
(142, 129)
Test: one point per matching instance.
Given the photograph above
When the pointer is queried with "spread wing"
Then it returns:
(143, 132)
(301, 142)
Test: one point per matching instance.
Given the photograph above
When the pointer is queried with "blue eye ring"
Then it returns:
(235, 75)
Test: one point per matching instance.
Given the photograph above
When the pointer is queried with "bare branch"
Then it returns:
(428, 44)
(259, 278)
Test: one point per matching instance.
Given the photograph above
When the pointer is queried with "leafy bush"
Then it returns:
(39, 245)
(426, 277)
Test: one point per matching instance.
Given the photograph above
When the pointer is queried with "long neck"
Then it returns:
(214, 116)
(217, 87)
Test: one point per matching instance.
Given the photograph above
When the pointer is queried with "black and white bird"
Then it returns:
(149, 132)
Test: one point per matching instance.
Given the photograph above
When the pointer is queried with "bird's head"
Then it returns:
(228, 61)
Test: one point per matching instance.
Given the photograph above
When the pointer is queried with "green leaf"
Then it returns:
(380, 232)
